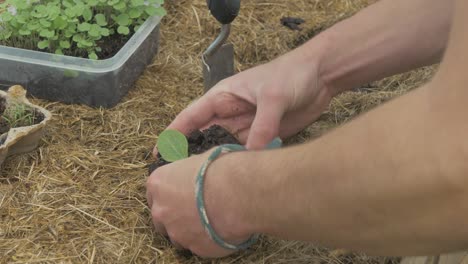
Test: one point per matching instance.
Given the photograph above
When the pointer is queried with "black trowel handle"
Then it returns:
(225, 11)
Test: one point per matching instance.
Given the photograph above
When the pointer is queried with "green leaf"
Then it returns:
(21, 18)
(86, 43)
(123, 30)
(123, 20)
(45, 23)
(92, 55)
(24, 32)
(100, 19)
(6, 16)
(60, 22)
(33, 26)
(138, 2)
(151, 10)
(172, 145)
(43, 44)
(93, 2)
(84, 27)
(46, 33)
(58, 52)
(65, 44)
(120, 6)
(87, 14)
(95, 30)
(54, 11)
(105, 32)
(161, 12)
(70, 12)
(77, 37)
(40, 11)
(135, 13)
(5, 34)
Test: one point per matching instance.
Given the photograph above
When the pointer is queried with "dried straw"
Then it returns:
(80, 197)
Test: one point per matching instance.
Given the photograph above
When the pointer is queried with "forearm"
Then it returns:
(390, 182)
(386, 38)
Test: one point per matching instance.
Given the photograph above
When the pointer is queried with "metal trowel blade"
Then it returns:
(219, 66)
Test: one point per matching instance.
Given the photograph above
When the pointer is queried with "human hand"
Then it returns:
(279, 98)
(171, 198)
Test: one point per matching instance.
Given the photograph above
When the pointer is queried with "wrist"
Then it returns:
(315, 57)
(227, 203)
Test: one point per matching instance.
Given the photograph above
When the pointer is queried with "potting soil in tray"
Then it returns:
(201, 141)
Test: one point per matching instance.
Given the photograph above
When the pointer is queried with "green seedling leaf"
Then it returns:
(138, 2)
(105, 32)
(160, 12)
(151, 10)
(95, 30)
(43, 44)
(46, 33)
(123, 20)
(22, 19)
(135, 13)
(84, 27)
(123, 30)
(93, 2)
(60, 22)
(93, 56)
(100, 19)
(24, 32)
(87, 14)
(172, 145)
(65, 44)
(6, 16)
(70, 12)
(58, 52)
(45, 23)
(120, 6)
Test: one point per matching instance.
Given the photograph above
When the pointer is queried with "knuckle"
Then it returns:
(175, 236)
(154, 180)
(157, 214)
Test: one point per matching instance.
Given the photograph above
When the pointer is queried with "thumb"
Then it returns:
(265, 126)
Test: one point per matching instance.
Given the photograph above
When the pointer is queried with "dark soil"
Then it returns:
(4, 126)
(111, 45)
(201, 141)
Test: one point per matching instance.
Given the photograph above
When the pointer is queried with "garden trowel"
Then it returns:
(218, 59)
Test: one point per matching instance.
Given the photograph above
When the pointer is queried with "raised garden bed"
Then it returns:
(22, 124)
(92, 56)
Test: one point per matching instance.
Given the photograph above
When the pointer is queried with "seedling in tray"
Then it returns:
(81, 28)
(17, 115)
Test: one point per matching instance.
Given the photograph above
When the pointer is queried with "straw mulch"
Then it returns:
(80, 197)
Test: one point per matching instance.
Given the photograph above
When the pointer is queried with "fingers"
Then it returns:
(233, 124)
(265, 126)
(194, 116)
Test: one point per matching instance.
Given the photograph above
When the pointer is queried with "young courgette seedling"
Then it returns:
(172, 145)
